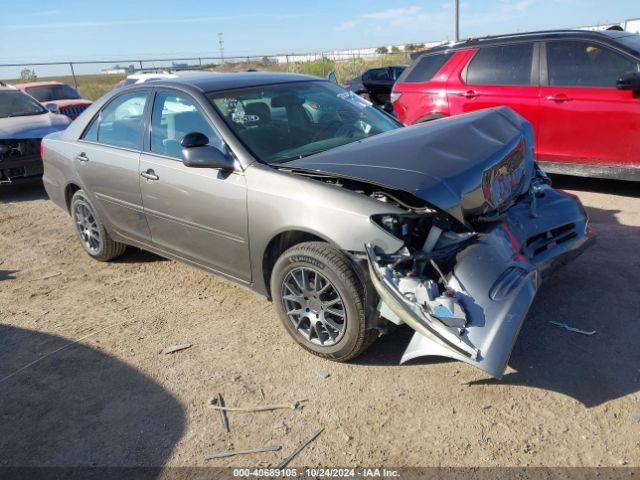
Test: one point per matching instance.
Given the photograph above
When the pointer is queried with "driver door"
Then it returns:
(584, 119)
(197, 214)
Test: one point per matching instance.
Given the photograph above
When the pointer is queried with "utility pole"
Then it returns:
(221, 43)
(456, 20)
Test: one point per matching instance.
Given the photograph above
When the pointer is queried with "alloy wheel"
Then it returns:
(87, 227)
(314, 306)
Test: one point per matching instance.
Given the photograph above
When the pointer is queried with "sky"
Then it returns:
(63, 30)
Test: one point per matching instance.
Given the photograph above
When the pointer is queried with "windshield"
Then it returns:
(50, 93)
(283, 122)
(14, 103)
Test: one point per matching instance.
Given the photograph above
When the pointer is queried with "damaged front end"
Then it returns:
(480, 226)
(466, 294)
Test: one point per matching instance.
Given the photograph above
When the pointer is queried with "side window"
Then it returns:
(397, 72)
(584, 64)
(504, 65)
(174, 115)
(379, 75)
(425, 68)
(120, 122)
(91, 133)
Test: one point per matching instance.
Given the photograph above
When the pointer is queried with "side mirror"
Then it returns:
(332, 78)
(197, 153)
(52, 107)
(629, 81)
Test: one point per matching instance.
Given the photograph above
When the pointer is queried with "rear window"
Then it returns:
(504, 65)
(51, 93)
(425, 68)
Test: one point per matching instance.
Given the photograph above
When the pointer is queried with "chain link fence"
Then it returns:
(94, 78)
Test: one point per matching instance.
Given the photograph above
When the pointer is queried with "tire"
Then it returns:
(91, 232)
(321, 264)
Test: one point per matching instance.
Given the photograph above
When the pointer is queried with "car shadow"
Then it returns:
(24, 191)
(597, 185)
(80, 407)
(7, 275)
(137, 255)
(599, 291)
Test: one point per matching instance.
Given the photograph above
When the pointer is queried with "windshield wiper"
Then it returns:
(295, 157)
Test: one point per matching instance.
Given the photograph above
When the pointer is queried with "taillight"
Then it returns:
(41, 149)
(394, 97)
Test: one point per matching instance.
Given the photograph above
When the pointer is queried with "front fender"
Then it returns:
(279, 201)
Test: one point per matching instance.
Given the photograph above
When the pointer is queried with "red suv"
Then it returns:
(580, 90)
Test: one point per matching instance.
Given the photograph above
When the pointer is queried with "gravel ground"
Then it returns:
(113, 398)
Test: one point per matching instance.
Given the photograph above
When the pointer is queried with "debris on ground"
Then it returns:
(177, 348)
(223, 414)
(232, 453)
(46, 277)
(265, 408)
(636, 416)
(572, 329)
(286, 461)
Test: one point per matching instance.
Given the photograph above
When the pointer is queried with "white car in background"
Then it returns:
(155, 76)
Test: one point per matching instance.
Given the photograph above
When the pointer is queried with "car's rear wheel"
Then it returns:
(91, 232)
(320, 301)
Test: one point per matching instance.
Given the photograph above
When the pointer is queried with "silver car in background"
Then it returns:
(23, 123)
(309, 195)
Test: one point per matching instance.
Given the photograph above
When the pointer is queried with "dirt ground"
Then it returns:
(113, 399)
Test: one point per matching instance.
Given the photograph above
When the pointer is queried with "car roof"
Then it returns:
(213, 81)
(606, 35)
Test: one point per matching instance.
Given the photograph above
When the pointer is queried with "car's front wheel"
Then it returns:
(320, 301)
(91, 232)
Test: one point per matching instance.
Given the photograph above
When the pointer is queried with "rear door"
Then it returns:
(378, 83)
(107, 157)
(584, 119)
(498, 75)
(197, 214)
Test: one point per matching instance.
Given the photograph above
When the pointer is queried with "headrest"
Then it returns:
(286, 100)
(258, 109)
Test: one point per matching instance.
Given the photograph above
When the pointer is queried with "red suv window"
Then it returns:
(502, 65)
(425, 68)
(585, 64)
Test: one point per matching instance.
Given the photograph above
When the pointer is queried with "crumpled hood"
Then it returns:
(455, 164)
(32, 126)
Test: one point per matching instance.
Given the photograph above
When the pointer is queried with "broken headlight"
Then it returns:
(413, 228)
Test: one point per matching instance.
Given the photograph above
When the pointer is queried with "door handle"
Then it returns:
(561, 97)
(82, 157)
(469, 94)
(150, 175)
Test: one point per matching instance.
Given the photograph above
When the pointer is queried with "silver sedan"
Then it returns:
(311, 196)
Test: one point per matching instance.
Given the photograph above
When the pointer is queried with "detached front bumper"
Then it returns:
(495, 279)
